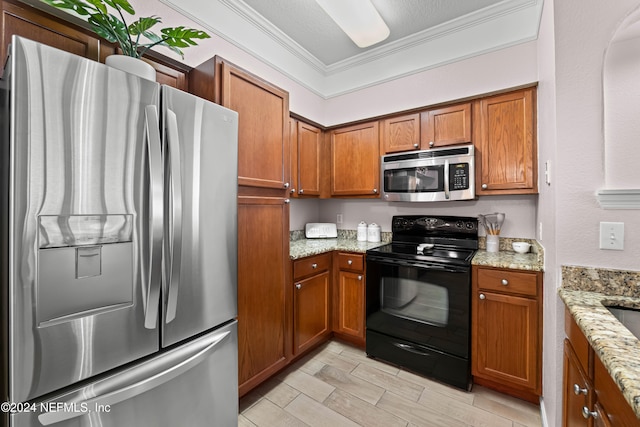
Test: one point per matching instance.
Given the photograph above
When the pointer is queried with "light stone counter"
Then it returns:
(585, 291)
(306, 247)
(507, 258)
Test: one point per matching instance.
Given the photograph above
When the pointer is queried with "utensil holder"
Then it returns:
(493, 243)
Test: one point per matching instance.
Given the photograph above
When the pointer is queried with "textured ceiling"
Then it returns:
(309, 26)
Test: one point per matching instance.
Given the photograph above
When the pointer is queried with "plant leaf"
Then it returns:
(121, 4)
(181, 36)
(99, 5)
(77, 6)
(143, 24)
(112, 29)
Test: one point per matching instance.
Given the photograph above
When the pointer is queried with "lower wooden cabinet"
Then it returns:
(349, 299)
(311, 302)
(590, 396)
(264, 339)
(507, 331)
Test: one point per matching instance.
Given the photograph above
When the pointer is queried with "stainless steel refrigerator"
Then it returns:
(118, 253)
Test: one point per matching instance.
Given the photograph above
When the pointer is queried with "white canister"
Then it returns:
(362, 231)
(373, 232)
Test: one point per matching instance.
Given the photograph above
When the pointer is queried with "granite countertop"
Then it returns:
(586, 292)
(306, 247)
(507, 258)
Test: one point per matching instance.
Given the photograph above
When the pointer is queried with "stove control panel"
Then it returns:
(427, 224)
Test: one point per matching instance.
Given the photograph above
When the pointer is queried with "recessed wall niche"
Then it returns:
(621, 85)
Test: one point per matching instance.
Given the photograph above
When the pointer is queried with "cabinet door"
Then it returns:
(263, 255)
(400, 134)
(446, 126)
(506, 154)
(309, 143)
(576, 390)
(350, 305)
(613, 407)
(263, 132)
(310, 311)
(505, 340)
(35, 25)
(355, 161)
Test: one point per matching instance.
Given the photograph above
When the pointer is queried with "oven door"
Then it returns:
(428, 305)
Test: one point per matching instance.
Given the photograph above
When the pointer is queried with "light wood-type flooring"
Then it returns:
(337, 385)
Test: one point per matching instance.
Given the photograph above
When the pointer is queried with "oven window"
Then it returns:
(416, 300)
(414, 180)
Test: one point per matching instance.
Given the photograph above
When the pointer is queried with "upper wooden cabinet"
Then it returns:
(306, 159)
(505, 141)
(33, 24)
(263, 123)
(400, 134)
(446, 126)
(355, 161)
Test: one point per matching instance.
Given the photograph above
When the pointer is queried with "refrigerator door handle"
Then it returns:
(135, 381)
(152, 129)
(175, 246)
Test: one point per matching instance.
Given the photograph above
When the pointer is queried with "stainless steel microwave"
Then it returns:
(440, 174)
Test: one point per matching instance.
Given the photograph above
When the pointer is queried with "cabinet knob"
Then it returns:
(298, 285)
(416, 145)
(301, 191)
(349, 262)
(286, 185)
(578, 391)
(482, 296)
(359, 277)
(293, 190)
(586, 413)
(314, 265)
(375, 191)
(504, 282)
(484, 186)
(287, 201)
(431, 144)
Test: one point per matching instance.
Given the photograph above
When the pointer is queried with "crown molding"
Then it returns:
(618, 199)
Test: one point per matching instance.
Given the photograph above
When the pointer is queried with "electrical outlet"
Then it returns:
(540, 230)
(612, 235)
(547, 172)
(339, 219)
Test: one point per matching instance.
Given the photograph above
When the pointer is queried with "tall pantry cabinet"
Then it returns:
(264, 338)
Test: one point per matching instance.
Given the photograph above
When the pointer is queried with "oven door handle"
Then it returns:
(446, 179)
(458, 269)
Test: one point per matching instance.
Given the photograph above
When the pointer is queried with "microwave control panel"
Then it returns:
(459, 176)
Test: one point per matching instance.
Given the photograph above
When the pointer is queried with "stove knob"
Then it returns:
(469, 226)
(459, 224)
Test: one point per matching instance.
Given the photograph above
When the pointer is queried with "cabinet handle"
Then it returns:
(482, 296)
(586, 413)
(504, 282)
(314, 265)
(301, 191)
(286, 185)
(349, 262)
(578, 391)
(431, 144)
(298, 285)
(375, 191)
(484, 186)
(359, 277)
(287, 201)
(416, 145)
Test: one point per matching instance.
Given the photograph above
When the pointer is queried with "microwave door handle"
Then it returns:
(446, 179)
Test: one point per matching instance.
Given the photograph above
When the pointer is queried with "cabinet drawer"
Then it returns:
(508, 281)
(578, 341)
(350, 262)
(311, 265)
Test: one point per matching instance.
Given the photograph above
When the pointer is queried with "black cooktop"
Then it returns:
(438, 239)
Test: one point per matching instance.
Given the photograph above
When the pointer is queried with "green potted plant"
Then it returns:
(106, 18)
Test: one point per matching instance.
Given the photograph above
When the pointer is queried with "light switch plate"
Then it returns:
(612, 235)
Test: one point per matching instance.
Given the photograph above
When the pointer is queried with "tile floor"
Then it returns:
(337, 385)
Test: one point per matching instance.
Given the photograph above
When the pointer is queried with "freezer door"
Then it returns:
(79, 279)
(195, 384)
(200, 252)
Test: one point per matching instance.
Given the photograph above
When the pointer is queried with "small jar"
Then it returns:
(362, 231)
(373, 232)
(493, 243)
